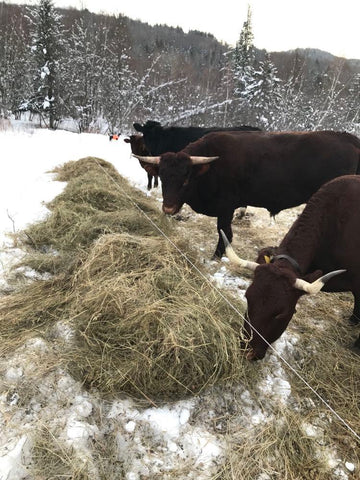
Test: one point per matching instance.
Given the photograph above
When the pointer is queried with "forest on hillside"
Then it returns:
(100, 73)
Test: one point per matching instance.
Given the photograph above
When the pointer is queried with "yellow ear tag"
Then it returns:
(267, 259)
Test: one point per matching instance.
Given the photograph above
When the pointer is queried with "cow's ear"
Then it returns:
(311, 277)
(138, 127)
(265, 254)
(201, 169)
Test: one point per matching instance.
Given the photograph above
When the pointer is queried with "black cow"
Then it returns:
(324, 239)
(138, 147)
(159, 139)
(223, 171)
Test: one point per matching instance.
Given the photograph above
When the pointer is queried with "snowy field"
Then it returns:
(150, 441)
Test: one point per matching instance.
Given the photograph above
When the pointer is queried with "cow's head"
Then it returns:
(148, 126)
(138, 147)
(152, 132)
(272, 298)
(177, 172)
(137, 144)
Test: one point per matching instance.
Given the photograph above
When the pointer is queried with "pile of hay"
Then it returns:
(144, 321)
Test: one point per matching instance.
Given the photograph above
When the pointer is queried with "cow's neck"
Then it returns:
(303, 240)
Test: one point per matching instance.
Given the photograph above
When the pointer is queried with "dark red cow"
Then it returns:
(138, 148)
(324, 239)
(223, 171)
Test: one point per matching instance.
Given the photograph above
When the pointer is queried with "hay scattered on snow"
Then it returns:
(144, 321)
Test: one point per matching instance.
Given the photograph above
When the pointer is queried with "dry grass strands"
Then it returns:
(145, 322)
(89, 206)
(77, 168)
(330, 365)
(53, 459)
(277, 448)
(32, 310)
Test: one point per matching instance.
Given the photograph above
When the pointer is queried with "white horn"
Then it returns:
(155, 160)
(202, 160)
(234, 258)
(316, 286)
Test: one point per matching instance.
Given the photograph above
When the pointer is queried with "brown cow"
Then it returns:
(223, 171)
(324, 239)
(138, 148)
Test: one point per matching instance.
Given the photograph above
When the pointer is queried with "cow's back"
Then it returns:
(278, 170)
(328, 231)
(341, 216)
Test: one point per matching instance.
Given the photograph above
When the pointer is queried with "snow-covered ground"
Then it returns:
(149, 442)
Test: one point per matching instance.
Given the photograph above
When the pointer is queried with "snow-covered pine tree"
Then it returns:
(243, 69)
(47, 42)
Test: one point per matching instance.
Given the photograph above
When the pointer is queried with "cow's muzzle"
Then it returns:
(170, 210)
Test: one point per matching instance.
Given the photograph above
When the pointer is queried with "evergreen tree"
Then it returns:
(243, 58)
(243, 69)
(46, 48)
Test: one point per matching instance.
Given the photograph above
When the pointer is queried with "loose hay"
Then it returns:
(147, 324)
(144, 321)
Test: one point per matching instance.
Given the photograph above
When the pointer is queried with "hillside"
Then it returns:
(110, 71)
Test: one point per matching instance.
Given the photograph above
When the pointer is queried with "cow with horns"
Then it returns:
(318, 252)
(224, 170)
(138, 147)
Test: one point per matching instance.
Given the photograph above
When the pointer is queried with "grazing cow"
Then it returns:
(159, 139)
(324, 239)
(223, 171)
(138, 148)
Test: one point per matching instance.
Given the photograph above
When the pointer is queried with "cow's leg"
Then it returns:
(223, 223)
(149, 181)
(156, 181)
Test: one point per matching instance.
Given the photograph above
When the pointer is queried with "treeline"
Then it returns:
(102, 73)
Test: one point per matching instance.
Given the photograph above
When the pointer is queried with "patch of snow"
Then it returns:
(11, 459)
(350, 466)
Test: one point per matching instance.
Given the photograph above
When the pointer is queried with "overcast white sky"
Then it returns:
(330, 25)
